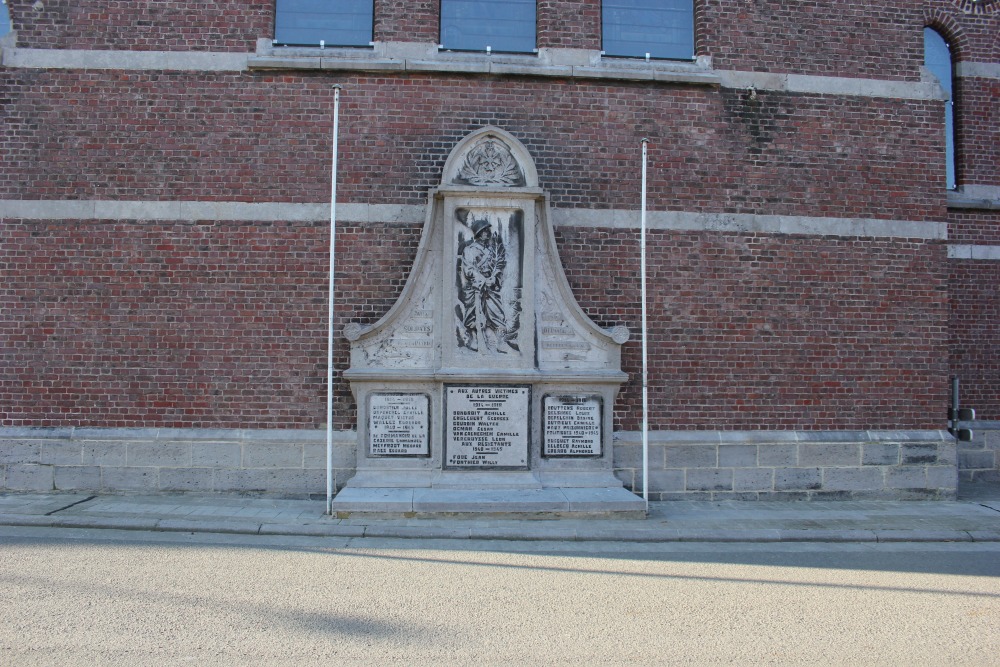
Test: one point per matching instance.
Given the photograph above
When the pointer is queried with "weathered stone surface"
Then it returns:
(880, 454)
(853, 479)
(216, 455)
(794, 479)
(711, 479)
(272, 455)
(692, 456)
(753, 479)
(186, 479)
(174, 454)
(737, 456)
(60, 452)
(129, 479)
(777, 455)
(906, 477)
(77, 478)
(13, 451)
(30, 477)
(104, 453)
(829, 454)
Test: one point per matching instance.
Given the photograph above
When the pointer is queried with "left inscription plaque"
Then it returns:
(399, 425)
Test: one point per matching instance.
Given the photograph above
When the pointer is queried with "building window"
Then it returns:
(475, 25)
(937, 58)
(323, 22)
(4, 18)
(653, 28)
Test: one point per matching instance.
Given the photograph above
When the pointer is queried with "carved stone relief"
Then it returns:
(488, 280)
(490, 163)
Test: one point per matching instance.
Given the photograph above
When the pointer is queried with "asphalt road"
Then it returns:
(77, 597)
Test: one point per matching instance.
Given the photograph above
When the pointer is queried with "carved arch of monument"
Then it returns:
(485, 373)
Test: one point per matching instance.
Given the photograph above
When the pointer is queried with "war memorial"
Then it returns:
(819, 233)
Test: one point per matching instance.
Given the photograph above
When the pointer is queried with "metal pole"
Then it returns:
(329, 341)
(645, 356)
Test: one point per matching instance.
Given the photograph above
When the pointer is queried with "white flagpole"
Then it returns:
(329, 343)
(645, 393)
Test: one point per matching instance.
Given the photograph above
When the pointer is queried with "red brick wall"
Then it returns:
(407, 20)
(762, 332)
(972, 36)
(974, 289)
(978, 130)
(224, 324)
(572, 24)
(154, 25)
(166, 324)
(140, 323)
(826, 37)
(266, 137)
(829, 37)
(974, 227)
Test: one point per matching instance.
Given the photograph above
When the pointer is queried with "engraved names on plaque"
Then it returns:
(486, 426)
(399, 425)
(571, 425)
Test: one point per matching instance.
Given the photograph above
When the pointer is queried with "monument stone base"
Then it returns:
(498, 502)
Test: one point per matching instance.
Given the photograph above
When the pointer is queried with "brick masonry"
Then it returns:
(205, 324)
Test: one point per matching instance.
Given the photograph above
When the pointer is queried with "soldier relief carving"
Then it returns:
(488, 280)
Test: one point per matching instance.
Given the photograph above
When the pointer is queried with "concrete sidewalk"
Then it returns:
(974, 519)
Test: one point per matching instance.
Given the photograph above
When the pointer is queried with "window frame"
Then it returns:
(690, 54)
(367, 42)
(486, 48)
(951, 109)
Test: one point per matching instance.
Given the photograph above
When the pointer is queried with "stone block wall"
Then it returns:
(683, 465)
(788, 465)
(287, 463)
(979, 460)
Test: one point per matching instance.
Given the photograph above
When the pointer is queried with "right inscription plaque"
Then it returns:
(571, 425)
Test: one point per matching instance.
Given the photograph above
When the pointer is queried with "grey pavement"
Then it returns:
(975, 517)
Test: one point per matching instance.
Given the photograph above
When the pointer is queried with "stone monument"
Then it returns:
(485, 388)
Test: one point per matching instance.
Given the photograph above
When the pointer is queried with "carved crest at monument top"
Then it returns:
(490, 158)
(490, 163)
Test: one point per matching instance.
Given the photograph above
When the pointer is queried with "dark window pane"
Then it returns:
(335, 22)
(661, 28)
(472, 25)
(937, 58)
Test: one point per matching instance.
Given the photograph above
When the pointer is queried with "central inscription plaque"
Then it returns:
(486, 426)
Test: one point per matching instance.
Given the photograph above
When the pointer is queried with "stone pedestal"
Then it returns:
(485, 388)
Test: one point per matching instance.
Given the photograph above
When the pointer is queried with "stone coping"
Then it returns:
(345, 436)
(989, 253)
(171, 434)
(729, 437)
(403, 57)
(973, 200)
(693, 221)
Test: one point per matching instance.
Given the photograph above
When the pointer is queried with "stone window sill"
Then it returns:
(421, 57)
(981, 197)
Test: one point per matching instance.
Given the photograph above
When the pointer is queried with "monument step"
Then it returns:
(521, 503)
